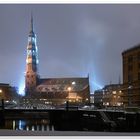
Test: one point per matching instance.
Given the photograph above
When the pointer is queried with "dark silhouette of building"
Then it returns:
(51, 90)
(131, 76)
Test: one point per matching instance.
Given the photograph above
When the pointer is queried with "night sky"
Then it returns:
(73, 40)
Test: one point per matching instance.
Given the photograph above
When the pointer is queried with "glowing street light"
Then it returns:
(0, 90)
(69, 89)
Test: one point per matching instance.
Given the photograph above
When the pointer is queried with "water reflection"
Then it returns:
(14, 124)
(27, 128)
(21, 124)
(29, 125)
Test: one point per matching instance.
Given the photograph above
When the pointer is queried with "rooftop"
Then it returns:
(131, 49)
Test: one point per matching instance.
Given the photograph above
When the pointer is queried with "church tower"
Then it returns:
(31, 74)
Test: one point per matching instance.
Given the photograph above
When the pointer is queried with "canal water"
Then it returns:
(120, 122)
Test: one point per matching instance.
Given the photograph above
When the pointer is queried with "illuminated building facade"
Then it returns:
(51, 90)
(112, 95)
(131, 76)
(109, 96)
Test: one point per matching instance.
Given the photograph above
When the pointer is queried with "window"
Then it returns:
(130, 59)
(138, 56)
(139, 76)
(139, 65)
(130, 78)
(29, 52)
(130, 67)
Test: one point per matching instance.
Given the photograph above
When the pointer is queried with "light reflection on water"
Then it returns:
(29, 125)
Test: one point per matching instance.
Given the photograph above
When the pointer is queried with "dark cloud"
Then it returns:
(73, 40)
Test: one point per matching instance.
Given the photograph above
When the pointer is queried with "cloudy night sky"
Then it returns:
(73, 40)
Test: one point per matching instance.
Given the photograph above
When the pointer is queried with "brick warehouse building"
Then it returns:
(131, 76)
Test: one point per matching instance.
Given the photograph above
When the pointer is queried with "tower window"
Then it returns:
(29, 52)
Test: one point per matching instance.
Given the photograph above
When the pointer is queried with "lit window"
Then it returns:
(69, 88)
(107, 103)
(118, 104)
(29, 52)
(33, 52)
(114, 92)
(73, 83)
(29, 39)
(37, 61)
(29, 60)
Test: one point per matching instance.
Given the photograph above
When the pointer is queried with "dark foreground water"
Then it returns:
(95, 121)
(45, 125)
(29, 124)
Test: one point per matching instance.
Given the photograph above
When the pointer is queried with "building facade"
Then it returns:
(109, 96)
(51, 90)
(7, 92)
(131, 76)
(91, 98)
(98, 98)
(112, 95)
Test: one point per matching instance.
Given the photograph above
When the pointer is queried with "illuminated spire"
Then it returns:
(31, 22)
(31, 26)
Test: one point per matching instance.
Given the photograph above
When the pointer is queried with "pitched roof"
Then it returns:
(62, 84)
